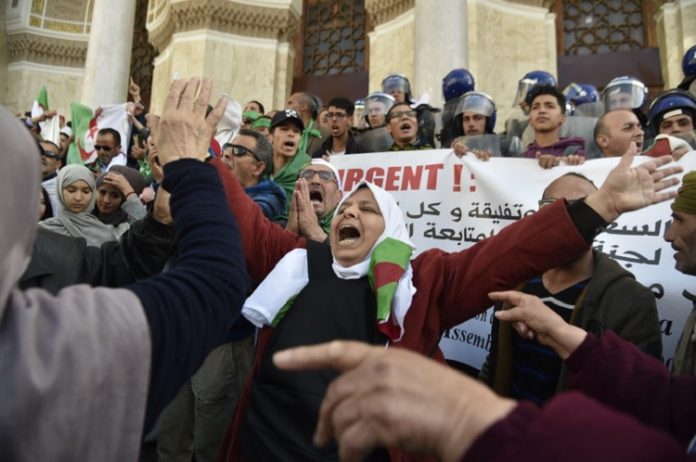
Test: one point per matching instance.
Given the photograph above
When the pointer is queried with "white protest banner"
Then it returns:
(451, 203)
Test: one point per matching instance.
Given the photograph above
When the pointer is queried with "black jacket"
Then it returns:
(58, 261)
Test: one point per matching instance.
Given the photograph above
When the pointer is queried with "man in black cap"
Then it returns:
(288, 159)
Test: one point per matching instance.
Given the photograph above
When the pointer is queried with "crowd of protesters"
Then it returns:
(150, 298)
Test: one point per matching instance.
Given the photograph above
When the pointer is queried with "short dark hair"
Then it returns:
(393, 108)
(546, 89)
(50, 143)
(262, 110)
(264, 149)
(343, 103)
(112, 132)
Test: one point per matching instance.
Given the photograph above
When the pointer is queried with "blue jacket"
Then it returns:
(270, 196)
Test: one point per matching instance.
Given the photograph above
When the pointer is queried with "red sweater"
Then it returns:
(645, 415)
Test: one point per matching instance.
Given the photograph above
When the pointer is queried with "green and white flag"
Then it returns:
(50, 129)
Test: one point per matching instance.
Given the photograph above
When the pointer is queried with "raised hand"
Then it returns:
(120, 182)
(184, 130)
(631, 188)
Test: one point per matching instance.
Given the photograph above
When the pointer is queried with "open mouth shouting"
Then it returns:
(290, 145)
(316, 196)
(348, 234)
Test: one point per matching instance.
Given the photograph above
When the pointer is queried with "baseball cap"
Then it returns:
(287, 115)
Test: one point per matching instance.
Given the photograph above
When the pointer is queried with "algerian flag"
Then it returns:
(81, 117)
(50, 129)
(86, 125)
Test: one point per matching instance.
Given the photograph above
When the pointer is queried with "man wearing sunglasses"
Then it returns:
(108, 148)
(402, 125)
(340, 120)
(51, 162)
(592, 292)
(250, 157)
(317, 193)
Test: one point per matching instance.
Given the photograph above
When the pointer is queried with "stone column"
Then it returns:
(108, 53)
(441, 45)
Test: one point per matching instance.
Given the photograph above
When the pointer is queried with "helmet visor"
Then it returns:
(624, 96)
(396, 83)
(523, 88)
(478, 103)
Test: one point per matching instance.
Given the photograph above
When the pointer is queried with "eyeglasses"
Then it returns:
(544, 202)
(338, 115)
(308, 174)
(239, 151)
(99, 147)
(400, 114)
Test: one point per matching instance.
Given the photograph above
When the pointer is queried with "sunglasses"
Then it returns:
(49, 154)
(308, 174)
(99, 147)
(239, 151)
(400, 114)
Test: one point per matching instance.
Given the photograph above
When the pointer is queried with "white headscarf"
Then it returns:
(290, 275)
(82, 224)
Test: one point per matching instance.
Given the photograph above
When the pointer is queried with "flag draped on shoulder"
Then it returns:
(86, 125)
(50, 128)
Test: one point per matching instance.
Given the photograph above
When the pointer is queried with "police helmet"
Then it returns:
(479, 103)
(689, 62)
(397, 82)
(385, 100)
(578, 94)
(456, 83)
(669, 104)
(624, 92)
(529, 80)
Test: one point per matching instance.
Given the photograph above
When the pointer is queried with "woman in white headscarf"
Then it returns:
(76, 190)
(83, 373)
(368, 286)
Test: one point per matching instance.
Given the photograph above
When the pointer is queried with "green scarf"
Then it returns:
(306, 133)
(287, 176)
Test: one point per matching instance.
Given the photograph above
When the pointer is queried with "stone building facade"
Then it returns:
(82, 49)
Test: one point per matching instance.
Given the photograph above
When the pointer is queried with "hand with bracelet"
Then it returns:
(119, 181)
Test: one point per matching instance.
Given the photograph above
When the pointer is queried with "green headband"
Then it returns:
(261, 122)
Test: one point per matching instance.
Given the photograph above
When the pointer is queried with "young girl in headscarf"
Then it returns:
(118, 193)
(75, 187)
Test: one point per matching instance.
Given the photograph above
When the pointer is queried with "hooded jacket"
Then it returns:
(612, 300)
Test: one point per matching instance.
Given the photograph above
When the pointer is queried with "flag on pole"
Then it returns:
(86, 125)
(50, 128)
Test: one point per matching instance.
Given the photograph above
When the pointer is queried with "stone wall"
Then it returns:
(244, 48)
(676, 33)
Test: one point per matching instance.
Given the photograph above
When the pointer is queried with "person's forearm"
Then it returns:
(134, 208)
(191, 307)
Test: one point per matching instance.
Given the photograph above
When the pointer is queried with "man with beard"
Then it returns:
(340, 119)
(317, 193)
(402, 125)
